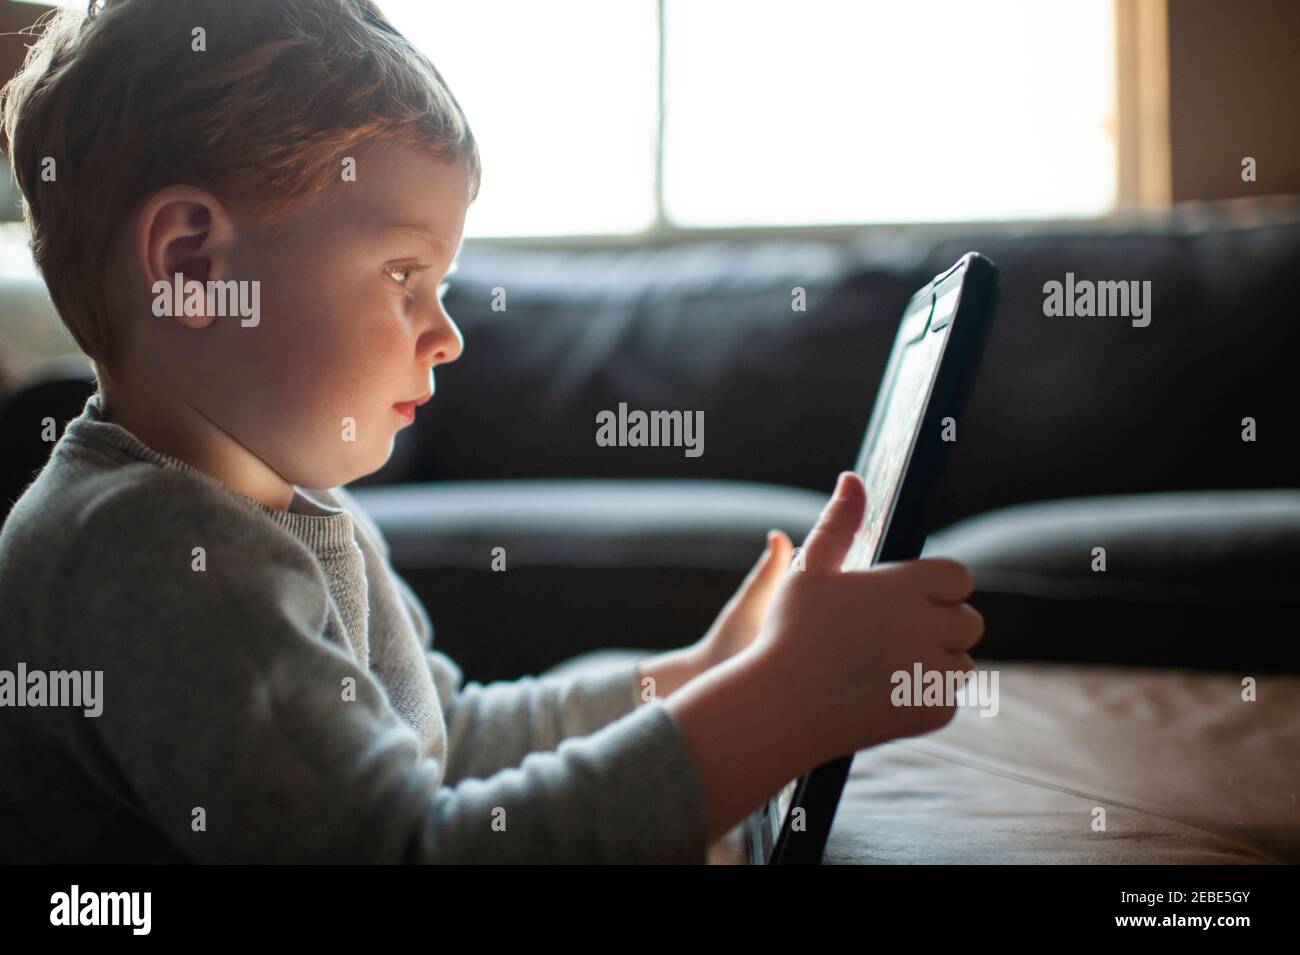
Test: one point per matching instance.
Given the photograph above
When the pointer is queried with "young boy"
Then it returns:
(269, 691)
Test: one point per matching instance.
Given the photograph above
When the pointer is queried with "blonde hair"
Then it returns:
(124, 105)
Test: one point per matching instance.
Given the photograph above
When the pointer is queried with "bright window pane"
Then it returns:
(561, 96)
(824, 111)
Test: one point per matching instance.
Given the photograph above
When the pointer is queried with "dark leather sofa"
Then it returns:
(1081, 432)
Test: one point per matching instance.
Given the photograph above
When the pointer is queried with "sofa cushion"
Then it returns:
(1198, 579)
(709, 525)
(706, 328)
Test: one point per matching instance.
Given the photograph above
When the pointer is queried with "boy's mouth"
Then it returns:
(407, 408)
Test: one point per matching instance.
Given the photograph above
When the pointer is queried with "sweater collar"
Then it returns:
(317, 523)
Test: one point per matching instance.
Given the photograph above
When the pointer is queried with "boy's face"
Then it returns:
(351, 319)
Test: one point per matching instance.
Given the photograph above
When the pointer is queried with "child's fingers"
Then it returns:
(760, 585)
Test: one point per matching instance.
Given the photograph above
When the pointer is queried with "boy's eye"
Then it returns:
(401, 274)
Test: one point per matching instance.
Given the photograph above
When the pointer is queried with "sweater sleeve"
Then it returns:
(493, 726)
(245, 735)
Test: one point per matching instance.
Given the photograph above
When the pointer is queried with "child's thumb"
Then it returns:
(829, 541)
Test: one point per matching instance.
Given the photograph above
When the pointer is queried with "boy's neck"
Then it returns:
(171, 426)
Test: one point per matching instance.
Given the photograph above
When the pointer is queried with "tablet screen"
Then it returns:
(884, 463)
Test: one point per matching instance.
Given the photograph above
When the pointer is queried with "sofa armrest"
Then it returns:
(1197, 579)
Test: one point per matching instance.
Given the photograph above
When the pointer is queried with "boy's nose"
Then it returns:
(441, 343)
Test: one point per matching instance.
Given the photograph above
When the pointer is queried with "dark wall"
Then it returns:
(1234, 82)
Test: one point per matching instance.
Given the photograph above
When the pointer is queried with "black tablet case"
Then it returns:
(818, 792)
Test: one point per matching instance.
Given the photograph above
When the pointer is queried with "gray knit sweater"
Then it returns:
(275, 697)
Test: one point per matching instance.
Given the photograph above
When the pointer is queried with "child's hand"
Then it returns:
(834, 638)
(815, 682)
(742, 617)
(734, 630)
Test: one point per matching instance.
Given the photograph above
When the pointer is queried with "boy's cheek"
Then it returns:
(352, 414)
(328, 373)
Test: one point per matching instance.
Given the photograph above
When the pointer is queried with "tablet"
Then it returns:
(916, 417)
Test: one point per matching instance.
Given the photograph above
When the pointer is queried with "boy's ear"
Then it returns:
(184, 230)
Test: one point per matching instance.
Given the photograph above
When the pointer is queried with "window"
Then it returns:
(640, 117)
(563, 100)
(777, 112)
(933, 110)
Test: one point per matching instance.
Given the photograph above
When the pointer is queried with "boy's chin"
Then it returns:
(344, 469)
